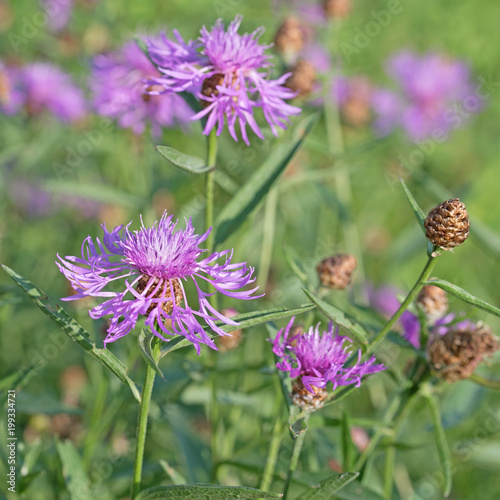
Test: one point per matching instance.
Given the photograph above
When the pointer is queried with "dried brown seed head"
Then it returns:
(433, 301)
(336, 271)
(455, 355)
(302, 79)
(289, 38)
(447, 225)
(335, 9)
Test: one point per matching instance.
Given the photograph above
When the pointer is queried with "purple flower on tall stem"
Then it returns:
(39, 87)
(430, 88)
(119, 92)
(154, 264)
(316, 359)
(223, 69)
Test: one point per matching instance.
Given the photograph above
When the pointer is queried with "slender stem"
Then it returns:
(214, 415)
(424, 275)
(142, 421)
(294, 459)
(269, 224)
(485, 382)
(210, 186)
(274, 447)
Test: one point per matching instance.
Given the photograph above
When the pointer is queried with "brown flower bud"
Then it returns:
(289, 38)
(302, 79)
(304, 399)
(164, 291)
(455, 355)
(233, 339)
(335, 272)
(337, 8)
(433, 302)
(447, 225)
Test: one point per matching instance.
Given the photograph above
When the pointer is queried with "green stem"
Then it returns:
(142, 421)
(485, 382)
(294, 459)
(269, 224)
(274, 447)
(214, 415)
(424, 275)
(210, 187)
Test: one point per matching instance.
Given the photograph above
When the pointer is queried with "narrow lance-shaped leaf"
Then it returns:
(188, 163)
(356, 331)
(74, 330)
(251, 193)
(419, 213)
(73, 471)
(329, 487)
(441, 442)
(203, 492)
(464, 295)
(348, 449)
(245, 320)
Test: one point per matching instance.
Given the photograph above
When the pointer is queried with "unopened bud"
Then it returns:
(233, 339)
(302, 79)
(335, 9)
(433, 302)
(455, 355)
(336, 271)
(289, 38)
(447, 225)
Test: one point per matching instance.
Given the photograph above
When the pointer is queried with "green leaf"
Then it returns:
(464, 295)
(251, 193)
(76, 479)
(348, 449)
(245, 320)
(356, 491)
(16, 379)
(74, 330)
(145, 341)
(173, 474)
(329, 486)
(188, 163)
(441, 442)
(295, 266)
(203, 492)
(96, 192)
(356, 331)
(419, 213)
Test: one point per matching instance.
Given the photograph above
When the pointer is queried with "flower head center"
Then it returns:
(162, 289)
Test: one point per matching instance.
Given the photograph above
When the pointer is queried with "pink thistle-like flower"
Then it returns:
(429, 89)
(154, 265)
(223, 69)
(39, 87)
(320, 358)
(117, 83)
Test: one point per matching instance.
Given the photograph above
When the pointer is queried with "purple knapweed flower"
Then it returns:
(431, 86)
(39, 87)
(154, 264)
(228, 73)
(315, 359)
(119, 90)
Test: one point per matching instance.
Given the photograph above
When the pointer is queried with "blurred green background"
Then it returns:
(123, 176)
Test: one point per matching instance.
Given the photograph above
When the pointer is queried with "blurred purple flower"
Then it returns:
(153, 262)
(222, 69)
(118, 86)
(39, 87)
(58, 13)
(430, 86)
(320, 358)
